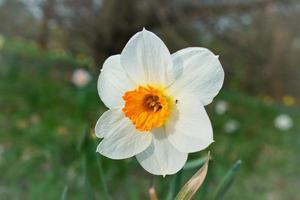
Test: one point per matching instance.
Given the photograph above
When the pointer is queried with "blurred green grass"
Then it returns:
(44, 117)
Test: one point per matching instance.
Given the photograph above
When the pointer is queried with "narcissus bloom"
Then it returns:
(156, 103)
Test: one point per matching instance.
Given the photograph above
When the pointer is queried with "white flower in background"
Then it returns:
(81, 77)
(221, 107)
(283, 122)
(156, 103)
(231, 126)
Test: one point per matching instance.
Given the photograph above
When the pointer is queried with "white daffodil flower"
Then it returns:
(156, 103)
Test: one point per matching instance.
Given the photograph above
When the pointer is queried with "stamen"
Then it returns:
(146, 107)
(152, 103)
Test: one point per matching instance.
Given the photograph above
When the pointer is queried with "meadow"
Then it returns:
(47, 142)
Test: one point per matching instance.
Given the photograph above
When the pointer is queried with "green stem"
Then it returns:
(88, 188)
(102, 179)
(178, 178)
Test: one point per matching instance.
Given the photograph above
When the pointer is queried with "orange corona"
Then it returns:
(146, 107)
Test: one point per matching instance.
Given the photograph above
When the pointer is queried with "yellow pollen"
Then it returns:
(146, 107)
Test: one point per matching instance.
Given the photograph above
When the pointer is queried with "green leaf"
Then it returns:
(227, 180)
(192, 186)
(194, 164)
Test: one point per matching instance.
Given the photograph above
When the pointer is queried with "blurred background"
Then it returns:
(51, 53)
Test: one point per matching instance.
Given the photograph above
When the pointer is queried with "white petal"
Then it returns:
(109, 122)
(161, 158)
(113, 82)
(189, 128)
(198, 71)
(147, 60)
(121, 138)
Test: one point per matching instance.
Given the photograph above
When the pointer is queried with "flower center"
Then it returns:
(146, 107)
(152, 102)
